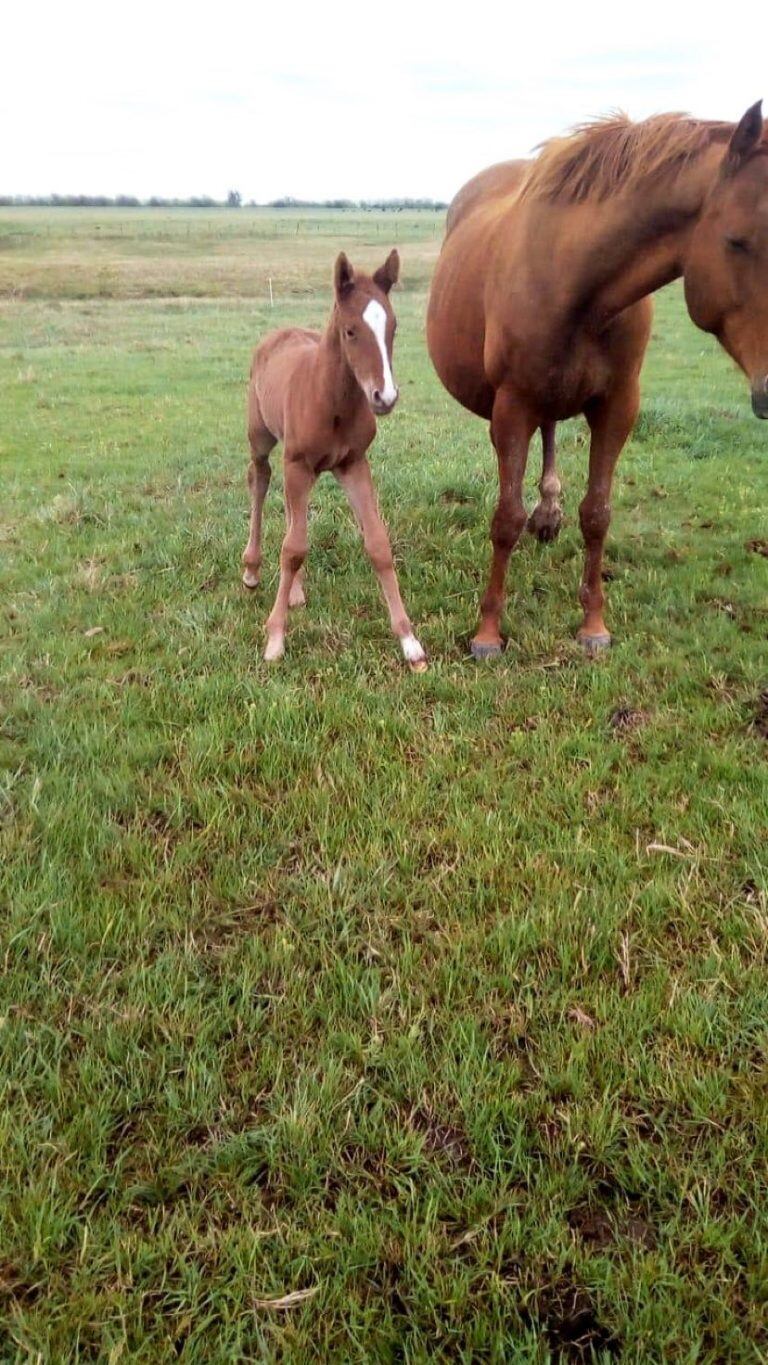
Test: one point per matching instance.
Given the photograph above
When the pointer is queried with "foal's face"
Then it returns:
(726, 268)
(367, 328)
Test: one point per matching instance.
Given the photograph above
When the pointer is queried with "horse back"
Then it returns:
(276, 370)
(283, 348)
(491, 183)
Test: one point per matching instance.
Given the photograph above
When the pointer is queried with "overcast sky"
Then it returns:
(337, 99)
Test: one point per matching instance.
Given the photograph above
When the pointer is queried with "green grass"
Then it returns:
(440, 998)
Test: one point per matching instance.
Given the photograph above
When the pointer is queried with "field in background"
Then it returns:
(213, 253)
(345, 1014)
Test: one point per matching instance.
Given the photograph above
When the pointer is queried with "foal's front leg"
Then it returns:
(355, 479)
(299, 480)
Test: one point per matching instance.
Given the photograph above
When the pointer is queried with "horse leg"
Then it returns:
(547, 515)
(296, 597)
(262, 442)
(511, 429)
(355, 479)
(610, 421)
(299, 480)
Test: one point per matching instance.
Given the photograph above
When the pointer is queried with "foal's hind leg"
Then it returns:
(547, 515)
(299, 479)
(262, 442)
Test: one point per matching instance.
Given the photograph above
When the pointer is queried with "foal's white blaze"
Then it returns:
(412, 650)
(376, 318)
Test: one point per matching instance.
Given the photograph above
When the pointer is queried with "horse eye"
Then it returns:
(349, 332)
(739, 244)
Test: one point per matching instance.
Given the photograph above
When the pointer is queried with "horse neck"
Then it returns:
(632, 245)
(338, 384)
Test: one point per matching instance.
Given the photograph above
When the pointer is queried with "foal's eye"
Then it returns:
(738, 244)
(350, 333)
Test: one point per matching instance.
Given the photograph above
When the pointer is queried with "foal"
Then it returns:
(317, 393)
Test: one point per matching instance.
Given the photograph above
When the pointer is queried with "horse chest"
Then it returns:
(334, 442)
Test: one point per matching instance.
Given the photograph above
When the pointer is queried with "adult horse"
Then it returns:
(539, 307)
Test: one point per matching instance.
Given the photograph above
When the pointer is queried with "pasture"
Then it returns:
(348, 1014)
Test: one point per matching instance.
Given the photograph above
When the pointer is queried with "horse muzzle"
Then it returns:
(383, 402)
(760, 397)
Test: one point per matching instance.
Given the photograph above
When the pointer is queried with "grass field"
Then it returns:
(349, 1015)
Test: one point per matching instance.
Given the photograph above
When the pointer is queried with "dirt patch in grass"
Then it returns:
(16, 1287)
(626, 718)
(361, 1163)
(441, 1139)
(600, 1229)
(760, 720)
(568, 1316)
(231, 923)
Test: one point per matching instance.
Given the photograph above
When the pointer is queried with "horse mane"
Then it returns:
(611, 154)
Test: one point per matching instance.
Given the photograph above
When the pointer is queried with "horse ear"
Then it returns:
(388, 273)
(343, 276)
(746, 136)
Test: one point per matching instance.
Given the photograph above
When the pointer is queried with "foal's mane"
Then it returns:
(611, 154)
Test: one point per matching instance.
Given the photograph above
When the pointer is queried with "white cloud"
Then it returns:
(342, 99)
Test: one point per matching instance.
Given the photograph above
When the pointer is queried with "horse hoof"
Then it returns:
(275, 650)
(479, 650)
(418, 666)
(546, 534)
(594, 644)
(250, 580)
(545, 526)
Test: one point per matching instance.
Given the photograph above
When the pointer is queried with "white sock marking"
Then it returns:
(275, 648)
(411, 648)
(376, 318)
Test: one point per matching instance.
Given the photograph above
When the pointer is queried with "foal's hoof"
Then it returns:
(480, 650)
(250, 579)
(594, 644)
(413, 653)
(545, 523)
(275, 650)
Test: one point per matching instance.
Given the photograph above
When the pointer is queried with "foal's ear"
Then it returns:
(343, 276)
(746, 136)
(388, 273)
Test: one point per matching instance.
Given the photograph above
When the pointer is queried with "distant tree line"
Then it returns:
(120, 201)
(391, 205)
(204, 201)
